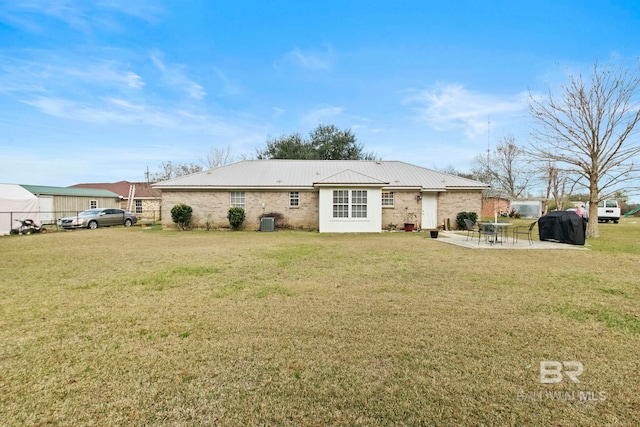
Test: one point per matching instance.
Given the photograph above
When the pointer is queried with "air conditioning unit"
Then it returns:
(267, 223)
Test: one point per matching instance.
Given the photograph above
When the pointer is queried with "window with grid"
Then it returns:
(93, 204)
(341, 203)
(237, 199)
(387, 198)
(359, 204)
(138, 206)
(294, 199)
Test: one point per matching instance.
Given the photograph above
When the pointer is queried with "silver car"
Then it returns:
(94, 218)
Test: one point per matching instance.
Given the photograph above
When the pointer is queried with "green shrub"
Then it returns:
(236, 217)
(515, 214)
(472, 216)
(181, 215)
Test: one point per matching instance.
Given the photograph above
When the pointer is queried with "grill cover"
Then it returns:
(563, 227)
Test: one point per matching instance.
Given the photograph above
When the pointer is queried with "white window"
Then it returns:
(359, 204)
(93, 204)
(343, 208)
(138, 206)
(341, 203)
(294, 199)
(237, 199)
(387, 198)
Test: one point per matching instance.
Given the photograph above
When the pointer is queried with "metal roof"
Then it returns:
(349, 177)
(68, 191)
(266, 174)
(142, 189)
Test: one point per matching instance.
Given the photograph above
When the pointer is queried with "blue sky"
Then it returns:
(97, 91)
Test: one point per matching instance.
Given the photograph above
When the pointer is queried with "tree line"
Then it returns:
(584, 141)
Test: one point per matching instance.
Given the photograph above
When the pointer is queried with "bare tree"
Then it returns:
(585, 131)
(168, 170)
(451, 170)
(556, 185)
(217, 157)
(505, 169)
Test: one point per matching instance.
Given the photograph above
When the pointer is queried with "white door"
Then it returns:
(429, 210)
(45, 209)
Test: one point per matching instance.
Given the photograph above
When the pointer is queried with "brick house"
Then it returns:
(495, 205)
(324, 195)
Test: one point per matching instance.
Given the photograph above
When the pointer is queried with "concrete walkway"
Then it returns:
(460, 239)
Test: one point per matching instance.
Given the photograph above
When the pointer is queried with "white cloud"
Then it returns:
(310, 60)
(277, 112)
(145, 10)
(125, 104)
(132, 80)
(229, 87)
(114, 112)
(314, 117)
(66, 75)
(105, 73)
(452, 106)
(174, 75)
(79, 15)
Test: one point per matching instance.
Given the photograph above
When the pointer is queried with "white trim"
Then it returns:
(370, 224)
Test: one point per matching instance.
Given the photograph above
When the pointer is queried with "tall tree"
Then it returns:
(286, 147)
(506, 169)
(324, 143)
(585, 131)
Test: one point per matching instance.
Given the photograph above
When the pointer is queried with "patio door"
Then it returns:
(429, 210)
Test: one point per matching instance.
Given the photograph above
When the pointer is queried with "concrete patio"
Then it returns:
(459, 238)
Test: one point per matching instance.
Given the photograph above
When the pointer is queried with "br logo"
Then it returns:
(551, 371)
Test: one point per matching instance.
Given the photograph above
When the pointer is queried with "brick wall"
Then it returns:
(492, 205)
(150, 208)
(404, 202)
(453, 202)
(449, 204)
(213, 206)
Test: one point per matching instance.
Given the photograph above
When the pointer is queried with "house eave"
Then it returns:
(346, 184)
(468, 188)
(234, 188)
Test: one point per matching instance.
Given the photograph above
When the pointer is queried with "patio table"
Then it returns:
(500, 229)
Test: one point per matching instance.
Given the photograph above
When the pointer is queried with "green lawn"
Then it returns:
(148, 327)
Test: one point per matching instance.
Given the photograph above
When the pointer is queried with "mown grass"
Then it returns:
(148, 327)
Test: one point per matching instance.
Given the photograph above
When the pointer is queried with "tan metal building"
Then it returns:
(58, 202)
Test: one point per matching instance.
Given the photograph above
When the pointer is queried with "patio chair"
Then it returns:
(470, 228)
(489, 232)
(524, 230)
